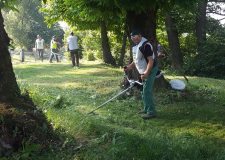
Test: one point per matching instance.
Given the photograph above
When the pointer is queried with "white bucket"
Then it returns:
(177, 84)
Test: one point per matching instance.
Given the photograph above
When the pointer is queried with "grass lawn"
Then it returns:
(190, 124)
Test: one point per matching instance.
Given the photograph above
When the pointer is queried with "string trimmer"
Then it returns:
(132, 84)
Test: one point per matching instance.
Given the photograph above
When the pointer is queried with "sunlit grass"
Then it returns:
(190, 124)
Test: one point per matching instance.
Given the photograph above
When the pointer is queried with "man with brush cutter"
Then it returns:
(145, 62)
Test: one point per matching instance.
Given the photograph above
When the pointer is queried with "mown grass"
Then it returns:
(190, 124)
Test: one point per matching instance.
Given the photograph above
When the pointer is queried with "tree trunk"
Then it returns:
(8, 86)
(123, 50)
(23, 125)
(177, 57)
(146, 22)
(201, 24)
(107, 55)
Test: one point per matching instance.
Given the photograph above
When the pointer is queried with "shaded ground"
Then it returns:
(21, 123)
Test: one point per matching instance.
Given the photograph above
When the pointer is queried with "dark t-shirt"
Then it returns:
(146, 50)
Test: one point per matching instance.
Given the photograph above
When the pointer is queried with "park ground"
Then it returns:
(189, 125)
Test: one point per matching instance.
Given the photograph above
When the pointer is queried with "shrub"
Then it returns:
(99, 55)
(90, 56)
(211, 62)
(67, 55)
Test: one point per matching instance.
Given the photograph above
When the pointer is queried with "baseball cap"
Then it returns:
(135, 32)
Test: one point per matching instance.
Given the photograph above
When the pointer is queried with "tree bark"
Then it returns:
(177, 57)
(145, 22)
(8, 86)
(201, 24)
(107, 55)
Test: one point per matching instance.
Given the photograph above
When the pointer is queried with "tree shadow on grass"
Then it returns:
(115, 142)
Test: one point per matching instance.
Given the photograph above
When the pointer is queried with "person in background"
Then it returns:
(55, 46)
(145, 62)
(73, 49)
(160, 51)
(160, 55)
(39, 47)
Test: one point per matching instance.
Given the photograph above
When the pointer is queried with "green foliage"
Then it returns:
(211, 62)
(90, 56)
(184, 19)
(9, 4)
(188, 48)
(98, 54)
(90, 42)
(26, 23)
(115, 40)
(67, 55)
(83, 14)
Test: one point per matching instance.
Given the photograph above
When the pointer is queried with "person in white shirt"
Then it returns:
(145, 62)
(73, 49)
(39, 46)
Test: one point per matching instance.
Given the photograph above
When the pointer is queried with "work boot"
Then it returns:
(148, 116)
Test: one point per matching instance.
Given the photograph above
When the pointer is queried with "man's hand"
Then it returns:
(144, 76)
(126, 68)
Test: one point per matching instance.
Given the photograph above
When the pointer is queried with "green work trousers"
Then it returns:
(147, 95)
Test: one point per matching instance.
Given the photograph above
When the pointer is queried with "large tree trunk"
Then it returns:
(107, 55)
(8, 86)
(200, 24)
(20, 120)
(177, 57)
(146, 22)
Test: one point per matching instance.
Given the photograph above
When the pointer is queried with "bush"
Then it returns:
(67, 55)
(90, 56)
(99, 55)
(211, 62)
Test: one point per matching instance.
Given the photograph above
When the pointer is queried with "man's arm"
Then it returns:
(148, 54)
(130, 66)
(148, 68)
